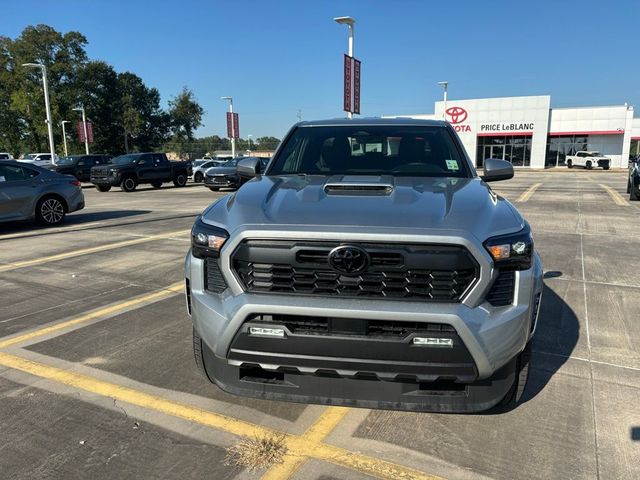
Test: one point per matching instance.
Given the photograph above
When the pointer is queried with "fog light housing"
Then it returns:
(267, 331)
(439, 342)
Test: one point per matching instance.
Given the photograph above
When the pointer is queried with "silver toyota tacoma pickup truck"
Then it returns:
(370, 266)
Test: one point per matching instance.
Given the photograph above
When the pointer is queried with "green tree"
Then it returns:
(64, 56)
(186, 116)
(267, 143)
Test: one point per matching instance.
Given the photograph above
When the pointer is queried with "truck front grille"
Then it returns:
(431, 273)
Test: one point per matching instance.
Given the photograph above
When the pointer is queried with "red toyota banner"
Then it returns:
(351, 84)
(347, 83)
(356, 86)
(233, 125)
(80, 130)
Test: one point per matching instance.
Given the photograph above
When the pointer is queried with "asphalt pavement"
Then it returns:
(97, 378)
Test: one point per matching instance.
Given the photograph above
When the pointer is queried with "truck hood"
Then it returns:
(424, 205)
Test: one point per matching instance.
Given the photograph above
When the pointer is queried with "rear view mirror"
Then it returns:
(496, 169)
(249, 167)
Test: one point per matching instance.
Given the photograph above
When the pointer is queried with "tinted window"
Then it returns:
(11, 173)
(126, 159)
(4, 156)
(371, 150)
(84, 161)
(46, 156)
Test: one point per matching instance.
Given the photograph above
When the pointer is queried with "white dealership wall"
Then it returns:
(609, 129)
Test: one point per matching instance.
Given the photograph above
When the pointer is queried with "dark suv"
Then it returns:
(633, 182)
(79, 165)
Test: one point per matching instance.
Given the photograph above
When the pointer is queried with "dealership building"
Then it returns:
(529, 133)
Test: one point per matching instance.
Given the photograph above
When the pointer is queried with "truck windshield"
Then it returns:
(125, 159)
(399, 150)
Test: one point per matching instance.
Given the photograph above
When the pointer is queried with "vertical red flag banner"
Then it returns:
(347, 83)
(229, 125)
(233, 125)
(236, 126)
(80, 130)
(356, 86)
(90, 131)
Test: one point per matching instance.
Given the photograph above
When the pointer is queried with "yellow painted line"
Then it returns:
(529, 193)
(134, 397)
(615, 196)
(298, 446)
(87, 251)
(49, 231)
(325, 423)
(110, 310)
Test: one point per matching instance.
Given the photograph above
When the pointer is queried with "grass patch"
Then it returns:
(257, 453)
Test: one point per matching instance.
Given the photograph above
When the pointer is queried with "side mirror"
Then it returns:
(249, 167)
(496, 169)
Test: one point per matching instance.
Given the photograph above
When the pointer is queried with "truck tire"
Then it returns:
(50, 210)
(514, 395)
(214, 189)
(570, 163)
(606, 167)
(589, 165)
(103, 188)
(198, 177)
(128, 184)
(156, 184)
(628, 186)
(180, 180)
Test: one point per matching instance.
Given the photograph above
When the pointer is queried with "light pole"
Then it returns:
(46, 104)
(233, 128)
(249, 140)
(64, 137)
(84, 126)
(349, 21)
(444, 85)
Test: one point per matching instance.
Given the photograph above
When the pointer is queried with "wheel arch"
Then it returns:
(55, 195)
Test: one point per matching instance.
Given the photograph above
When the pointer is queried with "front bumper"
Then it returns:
(221, 181)
(493, 337)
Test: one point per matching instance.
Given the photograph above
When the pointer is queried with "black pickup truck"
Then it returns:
(128, 171)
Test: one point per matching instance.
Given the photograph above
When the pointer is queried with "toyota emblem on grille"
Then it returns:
(348, 259)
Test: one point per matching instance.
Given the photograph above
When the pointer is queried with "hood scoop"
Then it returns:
(359, 185)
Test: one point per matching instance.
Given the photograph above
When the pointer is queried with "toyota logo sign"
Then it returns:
(348, 259)
(456, 115)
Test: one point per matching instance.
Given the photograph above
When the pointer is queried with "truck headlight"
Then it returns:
(207, 240)
(513, 251)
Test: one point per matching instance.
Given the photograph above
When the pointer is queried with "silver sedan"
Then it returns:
(28, 191)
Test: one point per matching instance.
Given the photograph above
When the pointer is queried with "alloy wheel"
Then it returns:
(52, 211)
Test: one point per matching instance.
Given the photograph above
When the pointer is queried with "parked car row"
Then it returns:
(226, 175)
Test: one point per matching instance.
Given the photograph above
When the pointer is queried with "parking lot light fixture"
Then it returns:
(64, 137)
(84, 126)
(444, 85)
(350, 22)
(233, 140)
(45, 84)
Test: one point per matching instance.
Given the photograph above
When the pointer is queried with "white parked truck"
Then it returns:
(588, 159)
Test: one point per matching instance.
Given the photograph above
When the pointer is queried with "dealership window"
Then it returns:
(559, 147)
(514, 148)
(634, 151)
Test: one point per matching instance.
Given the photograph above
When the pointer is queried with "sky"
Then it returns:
(276, 57)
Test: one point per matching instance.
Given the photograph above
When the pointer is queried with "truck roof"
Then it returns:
(372, 121)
